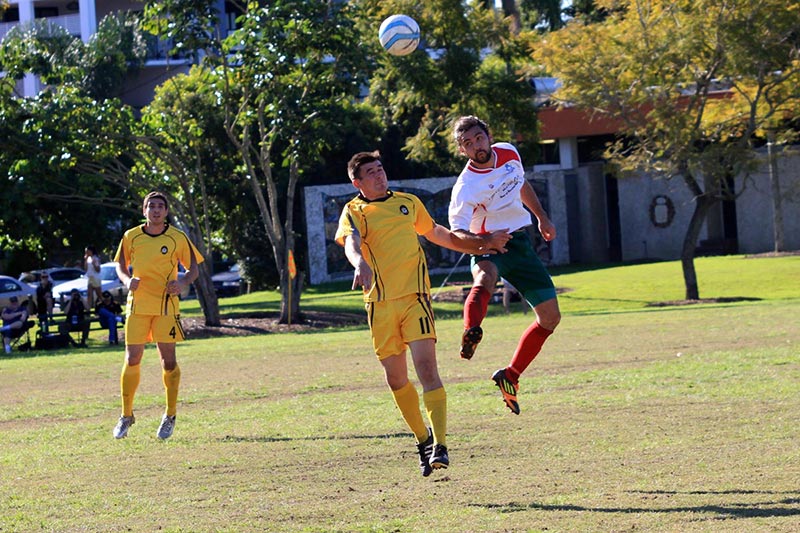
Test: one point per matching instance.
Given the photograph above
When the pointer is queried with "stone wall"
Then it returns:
(653, 216)
(324, 203)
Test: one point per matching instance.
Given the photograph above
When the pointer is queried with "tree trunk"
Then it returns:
(702, 205)
(510, 10)
(297, 286)
(204, 288)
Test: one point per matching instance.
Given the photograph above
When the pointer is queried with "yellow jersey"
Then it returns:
(154, 260)
(389, 243)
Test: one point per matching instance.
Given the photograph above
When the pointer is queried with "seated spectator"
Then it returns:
(14, 318)
(44, 302)
(110, 313)
(76, 317)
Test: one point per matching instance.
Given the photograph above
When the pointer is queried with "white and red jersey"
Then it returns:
(488, 199)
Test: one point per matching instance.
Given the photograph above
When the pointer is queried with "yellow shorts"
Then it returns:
(141, 329)
(395, 323)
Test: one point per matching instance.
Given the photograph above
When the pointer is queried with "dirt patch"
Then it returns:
(241, 324)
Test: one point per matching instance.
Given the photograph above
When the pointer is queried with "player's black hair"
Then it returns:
(360, 159)
(467, 123)
(155, 194)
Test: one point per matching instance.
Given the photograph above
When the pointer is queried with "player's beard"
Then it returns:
(483, 156)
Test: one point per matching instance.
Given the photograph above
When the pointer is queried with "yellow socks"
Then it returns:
(172, 380)
(129, 382)
(436, 404)
(407, 400)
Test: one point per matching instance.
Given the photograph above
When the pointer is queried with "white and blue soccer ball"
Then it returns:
(399, 35)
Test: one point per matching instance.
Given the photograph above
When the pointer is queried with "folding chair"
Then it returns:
(21, 338)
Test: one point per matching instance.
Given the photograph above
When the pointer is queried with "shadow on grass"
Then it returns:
(765, 509)
(233, 438)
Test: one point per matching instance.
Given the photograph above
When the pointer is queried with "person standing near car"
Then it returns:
(147, 264)
(91, 263)
(44, 302)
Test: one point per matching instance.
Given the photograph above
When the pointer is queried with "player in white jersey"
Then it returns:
(491, 193)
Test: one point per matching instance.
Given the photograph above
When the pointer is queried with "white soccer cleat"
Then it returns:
(166, 428)
(123, 425)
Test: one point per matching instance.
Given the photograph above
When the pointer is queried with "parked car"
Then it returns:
(109, 280)
(228, 283)
(58, 275)
(11, 287)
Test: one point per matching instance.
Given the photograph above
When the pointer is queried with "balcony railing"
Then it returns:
(72, 23)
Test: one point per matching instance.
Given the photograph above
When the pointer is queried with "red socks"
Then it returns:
(528, 348)
(475, 306)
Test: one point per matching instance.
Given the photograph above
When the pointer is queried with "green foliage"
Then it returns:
(59, 146)
(40, 48)
(657, 65)
(469, 62)
(188, 24)
(113, 53)
(694, 96)
(294, 68)
(52, 171)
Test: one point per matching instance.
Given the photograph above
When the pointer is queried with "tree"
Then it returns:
(35, 194)
(80, 145)
(470, 62)
(285, 75)
(695, 83)
(282, 80)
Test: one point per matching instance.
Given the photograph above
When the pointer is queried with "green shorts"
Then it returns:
(521, 266)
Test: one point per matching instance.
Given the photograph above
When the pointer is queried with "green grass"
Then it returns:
(599, 289)
(633, 418)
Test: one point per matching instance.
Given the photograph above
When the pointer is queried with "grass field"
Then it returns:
(633, 418)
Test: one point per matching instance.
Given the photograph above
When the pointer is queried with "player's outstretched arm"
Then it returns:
(531, 201)
(466, 242)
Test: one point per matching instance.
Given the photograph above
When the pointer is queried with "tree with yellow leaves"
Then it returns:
(696, 83)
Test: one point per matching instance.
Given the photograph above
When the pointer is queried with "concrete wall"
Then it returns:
(754, 208)
(592, 215)
(324, 203)
(654, 215)
(646, 234)
(648, 230)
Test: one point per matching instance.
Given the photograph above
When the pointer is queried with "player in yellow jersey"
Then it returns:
(147, 263)
(378, 229)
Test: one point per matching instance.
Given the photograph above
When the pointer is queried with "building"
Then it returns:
(641, 217)
(81, 17)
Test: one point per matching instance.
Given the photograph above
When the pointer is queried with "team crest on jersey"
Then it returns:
(164, 250)
(404, 209)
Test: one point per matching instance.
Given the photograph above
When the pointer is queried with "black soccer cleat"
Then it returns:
(439, 459)
(470, 340)
(425, 450)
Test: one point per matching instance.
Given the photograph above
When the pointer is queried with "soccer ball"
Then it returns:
(399, 35)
